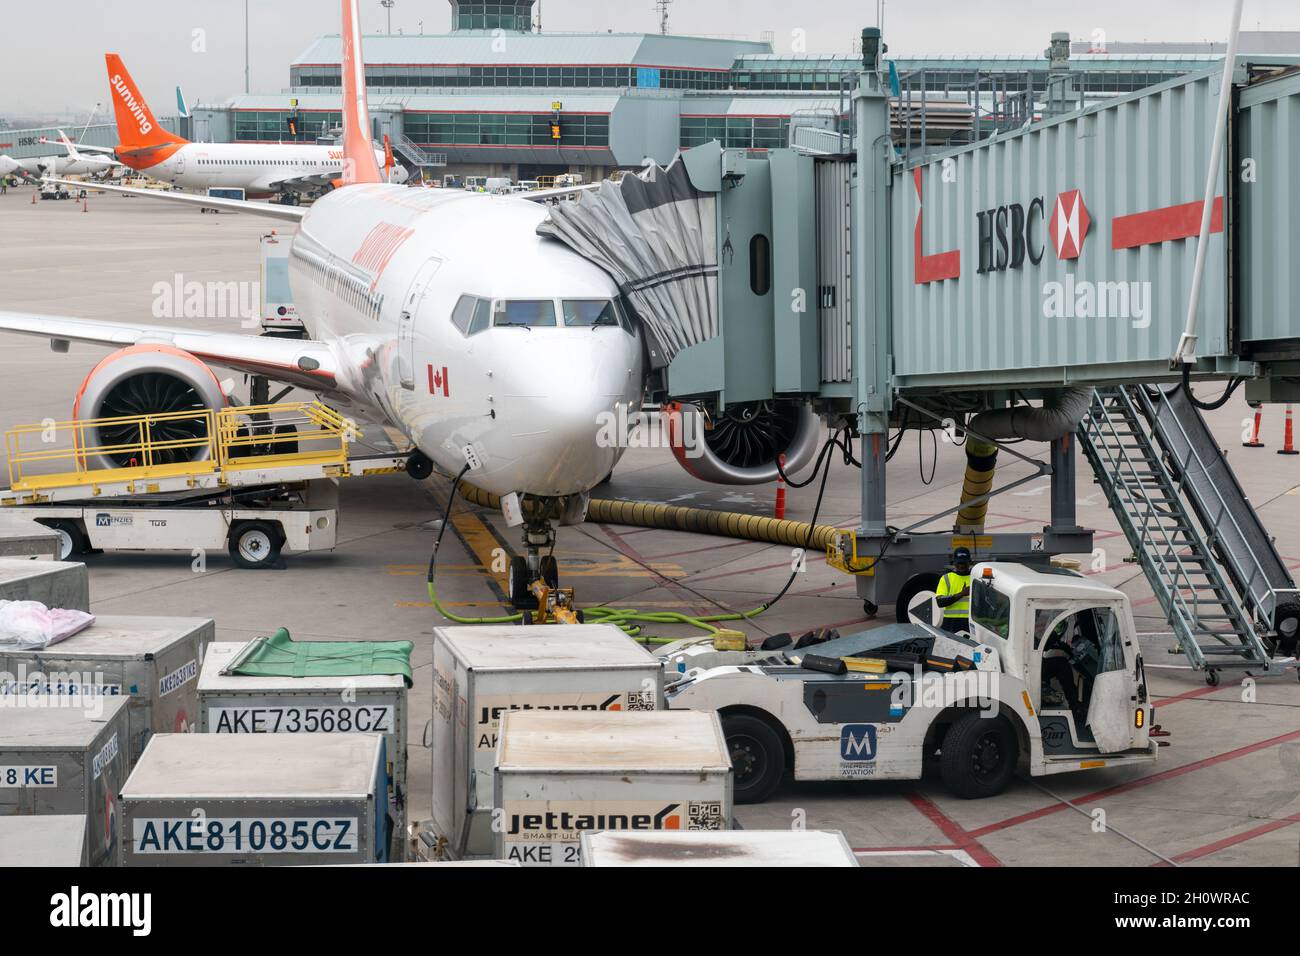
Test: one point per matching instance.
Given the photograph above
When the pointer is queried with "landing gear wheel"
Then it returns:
(978, 756)
(916, 598)
(72, 542)
(550, 572)
(757, 757)
(418, 466)
(255, 544)
(870, 608)
(1212, 678)
(520, 597)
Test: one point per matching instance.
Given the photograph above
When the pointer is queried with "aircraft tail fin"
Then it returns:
(137, 128)
(359, 164)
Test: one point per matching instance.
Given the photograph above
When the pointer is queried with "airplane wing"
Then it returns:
(538, 195)
(81, 147)
(291, 213)
(302, 362)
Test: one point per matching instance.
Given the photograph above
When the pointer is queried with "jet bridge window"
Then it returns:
(529, 313)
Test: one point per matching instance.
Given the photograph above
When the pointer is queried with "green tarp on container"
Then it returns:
(281, 656)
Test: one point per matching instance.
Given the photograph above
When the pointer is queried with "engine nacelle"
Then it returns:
(148, 380)
(742, 446)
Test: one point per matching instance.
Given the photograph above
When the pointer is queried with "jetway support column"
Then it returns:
(870, 267)
(1064, 489)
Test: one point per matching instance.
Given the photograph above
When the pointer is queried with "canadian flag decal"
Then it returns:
(438, 382)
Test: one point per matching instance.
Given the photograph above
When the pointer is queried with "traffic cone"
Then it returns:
(34, 197)
(1254, 438)
(780, 490)
(83, 206)
(1288, 444)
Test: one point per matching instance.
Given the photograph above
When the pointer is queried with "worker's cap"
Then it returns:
(961, 556)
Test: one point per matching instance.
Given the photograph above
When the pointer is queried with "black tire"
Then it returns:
(978, 756)
(418, 466)
(520, 597)
(915, 585)
(551, 572)
(757, 756)
(72, 540)
(255, 545)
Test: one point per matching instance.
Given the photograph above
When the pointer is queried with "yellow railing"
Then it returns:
(229, 439)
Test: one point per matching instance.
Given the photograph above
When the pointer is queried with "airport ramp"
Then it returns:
(1222, 585)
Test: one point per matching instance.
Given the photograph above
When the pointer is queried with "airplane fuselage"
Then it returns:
(381, 270)
(260, 169)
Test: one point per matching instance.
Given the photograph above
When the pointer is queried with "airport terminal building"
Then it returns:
(497, 97)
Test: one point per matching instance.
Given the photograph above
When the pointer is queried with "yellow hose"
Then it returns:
(981, 462)
(647, 514)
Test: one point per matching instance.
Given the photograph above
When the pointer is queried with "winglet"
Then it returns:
(359, 164)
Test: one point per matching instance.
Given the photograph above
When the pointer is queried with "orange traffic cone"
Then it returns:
(780, 489)
(1254, 438)
(1288, 445)
(34, 197)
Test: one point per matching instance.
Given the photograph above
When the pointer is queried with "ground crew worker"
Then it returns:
(953, 593)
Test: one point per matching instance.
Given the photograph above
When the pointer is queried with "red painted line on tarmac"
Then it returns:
(905, 849)
(1226, 842)
(962, 839)
(766, 567)
(1188, 695)
(628, 551)
(1135, 784)
(714, 547)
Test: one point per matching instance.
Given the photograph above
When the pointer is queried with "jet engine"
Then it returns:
(740, 446)
(147, 380)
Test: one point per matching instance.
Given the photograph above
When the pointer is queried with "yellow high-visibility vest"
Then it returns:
(954, 583)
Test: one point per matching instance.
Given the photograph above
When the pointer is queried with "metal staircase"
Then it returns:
(415, 154)
(1146, 473)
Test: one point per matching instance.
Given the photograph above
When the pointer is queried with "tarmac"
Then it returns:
(1225, 791)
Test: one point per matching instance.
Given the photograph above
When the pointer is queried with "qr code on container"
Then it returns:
(641, 700)
(705, 815)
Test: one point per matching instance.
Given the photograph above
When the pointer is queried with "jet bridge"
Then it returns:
(1017, 273)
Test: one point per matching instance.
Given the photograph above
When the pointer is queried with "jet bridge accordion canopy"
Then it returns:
(657, 235)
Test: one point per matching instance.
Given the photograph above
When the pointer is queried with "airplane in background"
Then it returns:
(283, 170)
(438, 312)
(73, 162)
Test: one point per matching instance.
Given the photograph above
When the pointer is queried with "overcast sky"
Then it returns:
(51, 58)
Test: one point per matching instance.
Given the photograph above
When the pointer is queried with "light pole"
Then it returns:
(245, 47)
(388, 5)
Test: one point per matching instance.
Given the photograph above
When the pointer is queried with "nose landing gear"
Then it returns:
(535, 580)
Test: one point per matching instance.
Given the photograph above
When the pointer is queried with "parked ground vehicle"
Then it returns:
(1050, 677)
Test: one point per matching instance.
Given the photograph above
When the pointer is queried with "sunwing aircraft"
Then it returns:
(439, 312)
(282, 170)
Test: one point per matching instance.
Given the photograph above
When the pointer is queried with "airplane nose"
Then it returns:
(567, 409)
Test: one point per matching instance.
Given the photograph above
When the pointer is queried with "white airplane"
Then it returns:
(441, 313)
(284, 170)
(73, 162)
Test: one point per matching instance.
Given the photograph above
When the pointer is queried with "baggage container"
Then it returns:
(152, 661)
(728, 848)
(56, 840)
(264, 799)
(374, 703)
(58, 758)
(484, 671)
(60, 584)
(559, 774)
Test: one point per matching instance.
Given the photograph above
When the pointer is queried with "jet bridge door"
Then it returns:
(406, 322)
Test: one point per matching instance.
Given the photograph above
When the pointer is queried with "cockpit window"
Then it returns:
(587, 313)
(529, 313)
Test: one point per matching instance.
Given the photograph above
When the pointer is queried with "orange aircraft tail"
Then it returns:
(359, 164)
(140, 135)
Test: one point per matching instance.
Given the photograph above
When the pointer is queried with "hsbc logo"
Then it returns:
(1069, 224)
(1013, 233)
